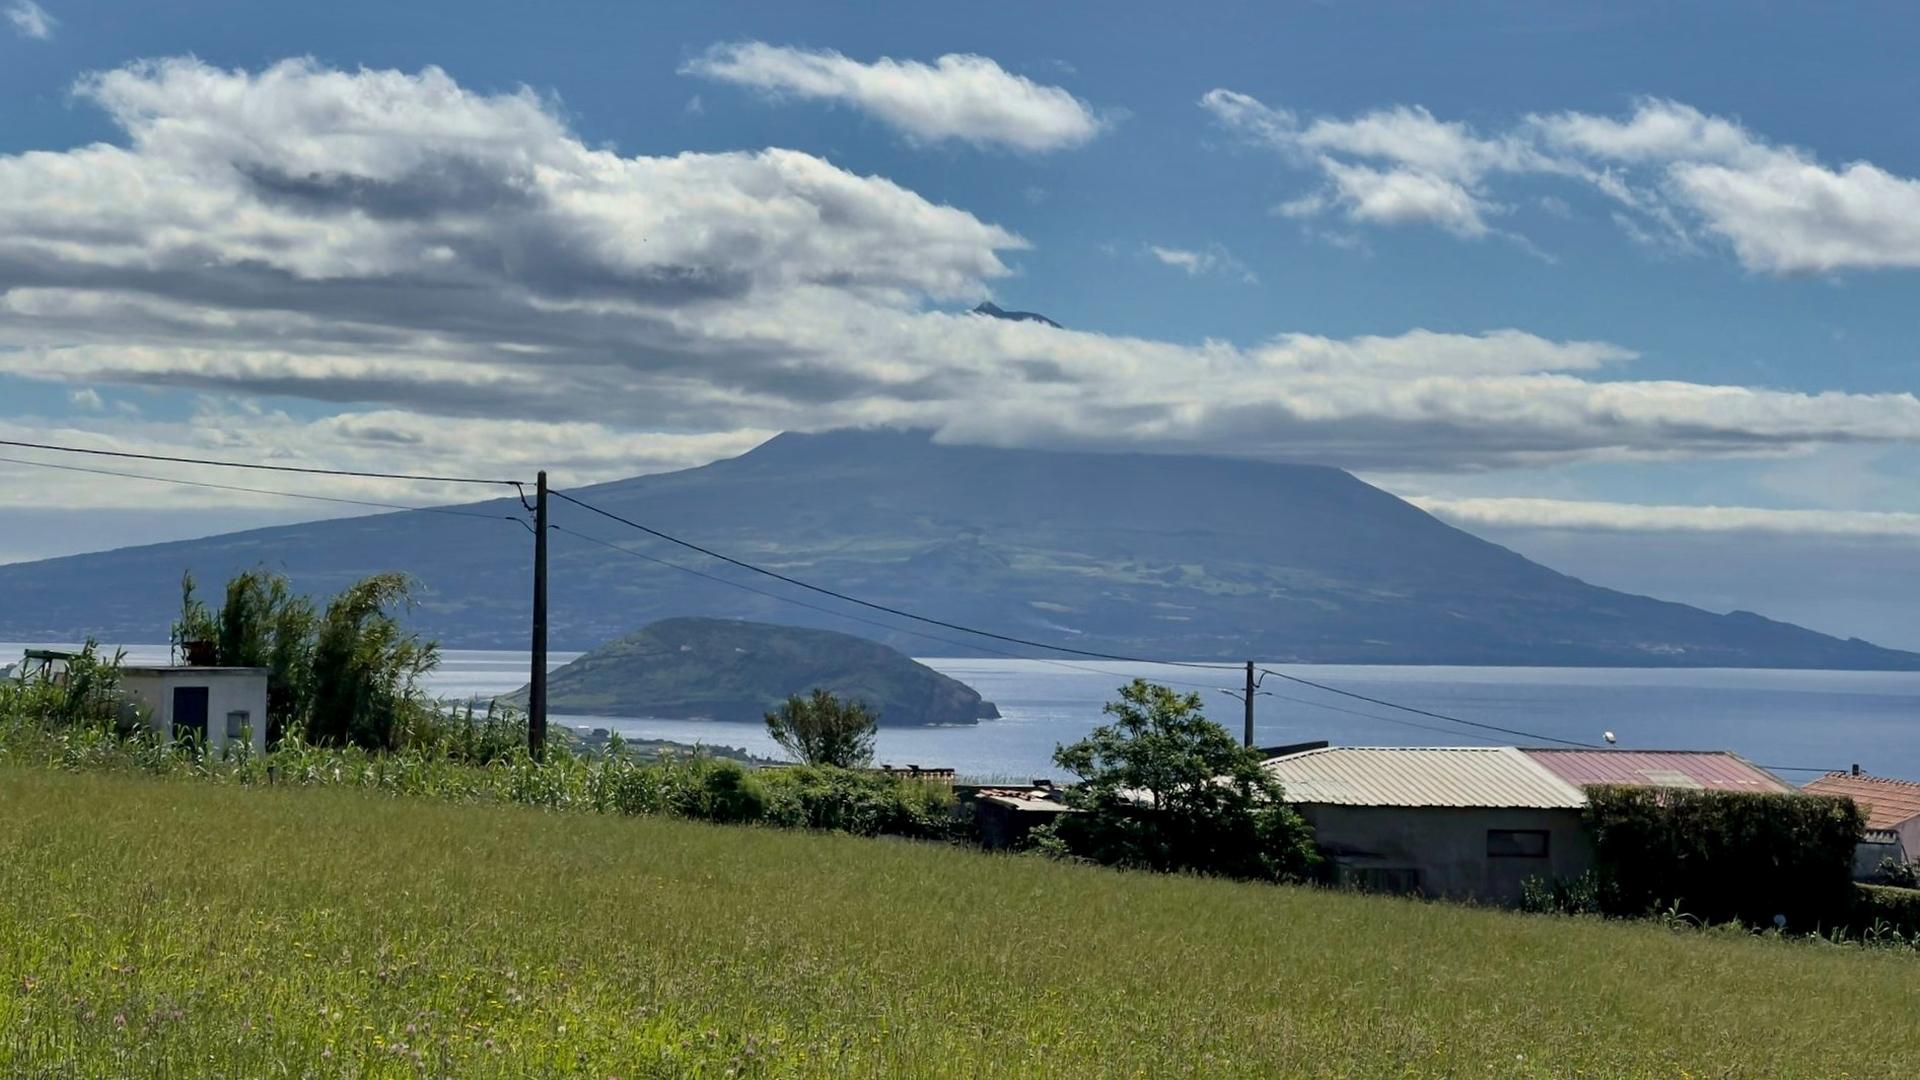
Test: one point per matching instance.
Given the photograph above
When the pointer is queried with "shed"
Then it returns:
(1893, 816)
(218, 705)
(1005, 816)
(1463, 822)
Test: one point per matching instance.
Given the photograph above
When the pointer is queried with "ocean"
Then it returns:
(1796, 722)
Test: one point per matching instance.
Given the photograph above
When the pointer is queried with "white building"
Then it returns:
(218, 705)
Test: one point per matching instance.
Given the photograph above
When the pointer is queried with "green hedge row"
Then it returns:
(1720, 856)
(1888, 907)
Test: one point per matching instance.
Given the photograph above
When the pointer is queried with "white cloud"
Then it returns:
(466, 285)
(1635, 517)
(960, 97)
(1214, 258)
(1676, 174)
(86, 398)
(31, 20)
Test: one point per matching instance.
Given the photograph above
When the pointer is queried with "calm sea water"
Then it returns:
(1789, 719)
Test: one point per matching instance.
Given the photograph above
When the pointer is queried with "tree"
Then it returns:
(1164, 788)
(823, 730)
(365, 671)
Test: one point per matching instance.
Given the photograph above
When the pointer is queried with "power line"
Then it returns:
(1374, 716)
(608, 544)
(1428, 713)
(262, 468)
(258, 491)
(776, 575)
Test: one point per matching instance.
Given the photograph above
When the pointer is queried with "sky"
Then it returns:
(1630, 291)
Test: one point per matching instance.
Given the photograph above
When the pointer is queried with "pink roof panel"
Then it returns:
(1709, 770)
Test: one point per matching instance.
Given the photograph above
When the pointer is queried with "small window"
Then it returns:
(237, 722)
(1517, 843)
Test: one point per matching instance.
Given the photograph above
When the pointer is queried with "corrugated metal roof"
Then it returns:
(1708, 770)
(1480, 776)
(1887, 802)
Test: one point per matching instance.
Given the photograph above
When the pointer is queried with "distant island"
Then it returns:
(734, 670)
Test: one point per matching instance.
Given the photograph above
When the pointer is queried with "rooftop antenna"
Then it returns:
(1607, 735)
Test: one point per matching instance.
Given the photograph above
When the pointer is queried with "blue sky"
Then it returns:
(1567, 279)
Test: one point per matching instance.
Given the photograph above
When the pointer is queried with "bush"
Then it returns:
(1723, 856)
(863, 803)
(1886, 907)
(1562, 896)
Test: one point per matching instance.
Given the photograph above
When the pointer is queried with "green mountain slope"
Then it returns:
(1194, 557)
(728, 669)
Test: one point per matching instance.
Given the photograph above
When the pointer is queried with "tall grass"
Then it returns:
(150, 928)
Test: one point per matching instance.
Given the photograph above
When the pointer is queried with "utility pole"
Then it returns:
(537, 682)
(1250, 688)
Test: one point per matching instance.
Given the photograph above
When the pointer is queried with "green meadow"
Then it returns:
(154, 927)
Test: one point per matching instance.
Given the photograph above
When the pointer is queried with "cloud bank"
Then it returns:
(1675, 176)
(462, 280)
(959, 97)
(1635, 517)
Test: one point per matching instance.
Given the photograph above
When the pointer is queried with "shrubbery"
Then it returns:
(1724, 856)
(1887, 907)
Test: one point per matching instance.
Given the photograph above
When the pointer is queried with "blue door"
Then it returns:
(190, 714)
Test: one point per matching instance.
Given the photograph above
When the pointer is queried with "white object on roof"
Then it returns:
(1478, 776)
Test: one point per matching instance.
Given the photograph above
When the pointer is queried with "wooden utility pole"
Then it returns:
(1249, 739)
(537, 681)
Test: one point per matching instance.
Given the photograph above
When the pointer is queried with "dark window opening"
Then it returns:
(1517, 843)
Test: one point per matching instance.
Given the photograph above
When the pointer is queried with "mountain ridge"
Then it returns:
(1137, 554)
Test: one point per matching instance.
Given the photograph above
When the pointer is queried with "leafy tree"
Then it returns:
(264, 623)
(366, 671)
(1164, 788)
(823, 730)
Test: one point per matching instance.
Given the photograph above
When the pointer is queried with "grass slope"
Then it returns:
(158, 928)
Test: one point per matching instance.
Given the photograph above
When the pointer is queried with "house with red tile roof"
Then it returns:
(1893, 815)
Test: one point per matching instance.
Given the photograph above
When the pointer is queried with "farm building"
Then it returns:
(1006, 815)
(1893, 816)
(218, 705)
(1475, 822)
(1463, 822)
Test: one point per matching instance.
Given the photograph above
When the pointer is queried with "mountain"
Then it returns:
(988, 307)
(730, 669)
(1138, 554)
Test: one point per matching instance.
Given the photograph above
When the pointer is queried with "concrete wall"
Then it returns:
(229, 690)
(1447, 847)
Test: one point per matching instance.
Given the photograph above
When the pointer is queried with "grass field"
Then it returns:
(161, 928)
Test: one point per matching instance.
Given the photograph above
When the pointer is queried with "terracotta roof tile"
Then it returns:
(1887, 802)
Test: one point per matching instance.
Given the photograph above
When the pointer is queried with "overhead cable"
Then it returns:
(310, 470)
(901, 613)
(260, 491)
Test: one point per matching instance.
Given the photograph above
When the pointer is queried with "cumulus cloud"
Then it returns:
(465, 284)
(1212, 259)
(1675, 175)
(1635, 517)
(30, 20)
(958, 97)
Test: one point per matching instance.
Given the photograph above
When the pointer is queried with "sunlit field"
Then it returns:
(161, 928)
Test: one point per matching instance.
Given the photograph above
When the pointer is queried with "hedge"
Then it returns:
(1722, 855)
(1887, 906)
